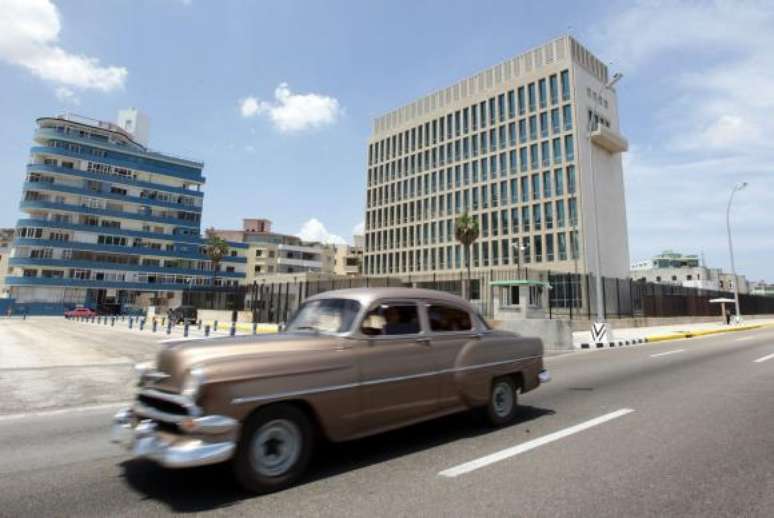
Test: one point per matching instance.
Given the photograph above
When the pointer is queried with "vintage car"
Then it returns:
(349, 363)
(80, 311)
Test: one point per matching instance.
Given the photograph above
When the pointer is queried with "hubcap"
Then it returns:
(276, 447)
(502, 399)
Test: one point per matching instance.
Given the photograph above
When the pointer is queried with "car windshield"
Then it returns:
(324, 316)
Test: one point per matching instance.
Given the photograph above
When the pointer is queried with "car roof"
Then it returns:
(366, 296)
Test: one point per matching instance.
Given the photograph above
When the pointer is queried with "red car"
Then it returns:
(80, 312)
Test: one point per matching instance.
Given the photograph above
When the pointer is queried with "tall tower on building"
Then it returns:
(515, 146)
(136, 123)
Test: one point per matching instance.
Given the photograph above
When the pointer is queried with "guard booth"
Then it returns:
(519, 299)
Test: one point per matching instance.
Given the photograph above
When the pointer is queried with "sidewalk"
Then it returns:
(634, 335)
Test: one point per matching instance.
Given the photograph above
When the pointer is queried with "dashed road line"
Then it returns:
(667, 353)
(765, 358)
(507, 453)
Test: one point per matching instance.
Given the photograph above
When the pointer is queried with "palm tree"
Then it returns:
(216, 248)
(466, 232)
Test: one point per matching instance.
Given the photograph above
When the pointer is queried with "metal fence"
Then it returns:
(572, 296)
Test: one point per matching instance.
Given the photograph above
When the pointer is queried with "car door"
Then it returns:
(397, 367)
(452, 333)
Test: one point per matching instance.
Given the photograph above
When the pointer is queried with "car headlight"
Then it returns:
(141, 368)
(193, 383)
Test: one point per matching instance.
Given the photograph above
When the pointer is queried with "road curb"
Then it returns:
(672, 336)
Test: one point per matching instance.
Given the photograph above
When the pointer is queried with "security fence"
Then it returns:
(571, 295)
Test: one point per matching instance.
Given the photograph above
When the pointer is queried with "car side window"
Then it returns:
(448, 318)
(391, 319)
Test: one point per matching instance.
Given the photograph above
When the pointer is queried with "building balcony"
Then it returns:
(42, 223)
(119, 285)
(299, 263)
(115, 179)
(82, 191)
(161, 163)
(99, 265)
(609, 140)
(129, 250)
(78, 209)
(112, 159)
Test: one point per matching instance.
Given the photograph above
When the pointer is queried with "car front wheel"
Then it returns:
(275, 449)
(503, 402)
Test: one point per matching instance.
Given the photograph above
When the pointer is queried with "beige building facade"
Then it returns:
(270, 253)
(512, 146)
(349, 258)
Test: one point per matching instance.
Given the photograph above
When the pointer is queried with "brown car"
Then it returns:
(350, 363)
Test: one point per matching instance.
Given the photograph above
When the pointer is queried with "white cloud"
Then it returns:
(293, 112)
(66, 95)
(249, 106)
(29, 30)
(314, 230)
(721, 78)
(359, 229)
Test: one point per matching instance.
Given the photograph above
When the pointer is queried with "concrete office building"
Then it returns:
(510, 146)
(271, 253)
(110, 222)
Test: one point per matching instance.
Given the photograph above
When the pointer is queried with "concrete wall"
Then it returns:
(556, 334)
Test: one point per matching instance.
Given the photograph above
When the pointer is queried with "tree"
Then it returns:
(466, 232)
(216, 248)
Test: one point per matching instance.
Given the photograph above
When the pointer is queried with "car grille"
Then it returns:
(162, 405)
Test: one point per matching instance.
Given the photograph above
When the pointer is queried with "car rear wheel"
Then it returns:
(503, 402)
(275, 449)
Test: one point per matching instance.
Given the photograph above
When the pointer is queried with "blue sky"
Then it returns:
(277, 98)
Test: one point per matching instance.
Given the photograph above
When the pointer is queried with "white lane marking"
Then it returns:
(667, 353)
(60, 411)
(765, 358)
(507, 453)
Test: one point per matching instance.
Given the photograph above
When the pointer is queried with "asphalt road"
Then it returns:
(622, 432)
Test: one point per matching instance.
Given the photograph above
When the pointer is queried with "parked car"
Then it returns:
(80, 312)
(182, 315)
(350, 363)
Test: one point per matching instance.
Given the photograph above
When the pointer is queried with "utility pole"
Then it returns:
(737, 187)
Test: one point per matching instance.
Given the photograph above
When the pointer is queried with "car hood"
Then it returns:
(222, 359)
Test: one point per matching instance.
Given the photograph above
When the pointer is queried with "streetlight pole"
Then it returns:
(737, 187)
(597, 256)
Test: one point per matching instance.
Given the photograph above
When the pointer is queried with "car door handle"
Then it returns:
(423, 341)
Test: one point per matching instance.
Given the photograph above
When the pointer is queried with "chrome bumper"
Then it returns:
(544, 376)
(141, 436)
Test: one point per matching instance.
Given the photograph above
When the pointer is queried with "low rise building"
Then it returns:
(349, 258)
(271, 253)
(678, 269)
(762, 288)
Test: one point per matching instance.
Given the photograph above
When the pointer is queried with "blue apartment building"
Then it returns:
(110, 223)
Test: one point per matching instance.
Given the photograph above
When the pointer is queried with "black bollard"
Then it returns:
(232, 331)
(207, 330)
(185, 330)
